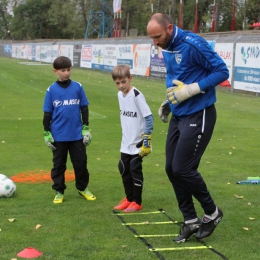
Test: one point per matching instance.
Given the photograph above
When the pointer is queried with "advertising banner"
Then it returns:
(53, 52)
(16, 51)
(142, 59)
(31, 52)
(247, 67)
(98, 57)
(110, 57)
(24, 52)
(44, 53)
(225, 51)
(77, 55)
(65, 50)
(125, 54)
(86, 56)
(38, 53)
(158, 68)
(8, 48)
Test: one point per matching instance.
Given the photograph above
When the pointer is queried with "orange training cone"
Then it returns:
(29, 252)
(225, 84)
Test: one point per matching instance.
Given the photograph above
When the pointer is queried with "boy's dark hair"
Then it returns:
(62, 62)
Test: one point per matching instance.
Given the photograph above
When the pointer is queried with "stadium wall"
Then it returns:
(239, 50)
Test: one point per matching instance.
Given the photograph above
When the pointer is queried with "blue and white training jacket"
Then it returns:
(189, 58)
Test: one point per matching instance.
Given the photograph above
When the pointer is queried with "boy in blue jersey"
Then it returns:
(137, 125)
(66, 129)
(193, 72)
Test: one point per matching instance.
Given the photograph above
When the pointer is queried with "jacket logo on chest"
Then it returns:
(178, 58)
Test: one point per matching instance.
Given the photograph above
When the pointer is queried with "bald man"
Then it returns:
(193, 72)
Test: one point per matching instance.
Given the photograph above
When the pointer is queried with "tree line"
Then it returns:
(69, 19)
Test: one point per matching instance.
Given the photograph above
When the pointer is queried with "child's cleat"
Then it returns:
(58, 198)
(124, 203)
(133, 207)
(87, 194)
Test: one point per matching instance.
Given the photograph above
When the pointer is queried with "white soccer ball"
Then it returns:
(7, 188)
(3, 177)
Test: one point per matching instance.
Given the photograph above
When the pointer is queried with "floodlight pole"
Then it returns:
(117, 4)
(196, 18)
(244, 16)
(233, 21)
(180, 15)
(213, 17)
(152, 7)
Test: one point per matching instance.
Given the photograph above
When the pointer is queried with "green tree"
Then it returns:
(225, 15)
(5, 19)
(30, 19)
(59, 19)
(135, 15)
(253, 11)
(68, 19)
(204, 14)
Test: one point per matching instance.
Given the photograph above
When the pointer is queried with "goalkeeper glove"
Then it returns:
(181, 91)
(145, 145)
(164, 111)
(49, 140)
(86, 135)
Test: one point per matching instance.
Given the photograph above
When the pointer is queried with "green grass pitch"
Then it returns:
(80, 229)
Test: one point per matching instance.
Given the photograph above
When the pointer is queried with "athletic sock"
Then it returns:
(212, 216)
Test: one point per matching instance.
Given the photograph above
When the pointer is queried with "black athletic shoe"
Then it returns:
(207, 225)
(186, 231)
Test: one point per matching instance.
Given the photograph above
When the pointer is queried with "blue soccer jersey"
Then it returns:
(64, 104)
(189, 58)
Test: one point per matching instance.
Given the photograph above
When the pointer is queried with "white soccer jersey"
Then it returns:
(133, 109)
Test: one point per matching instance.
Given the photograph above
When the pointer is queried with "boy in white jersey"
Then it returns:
(137, 125)
(66, 129)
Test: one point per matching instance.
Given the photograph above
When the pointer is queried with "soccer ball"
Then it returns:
(7, 188)
(3, 177)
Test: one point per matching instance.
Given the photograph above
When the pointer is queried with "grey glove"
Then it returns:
(164, 111)
(86, 135)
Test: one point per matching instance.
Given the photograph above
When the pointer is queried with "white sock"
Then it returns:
(191, 221)
(212, 216)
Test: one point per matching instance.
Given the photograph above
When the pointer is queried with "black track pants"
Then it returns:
(130, 168)
(78, 156)
(187, 140)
